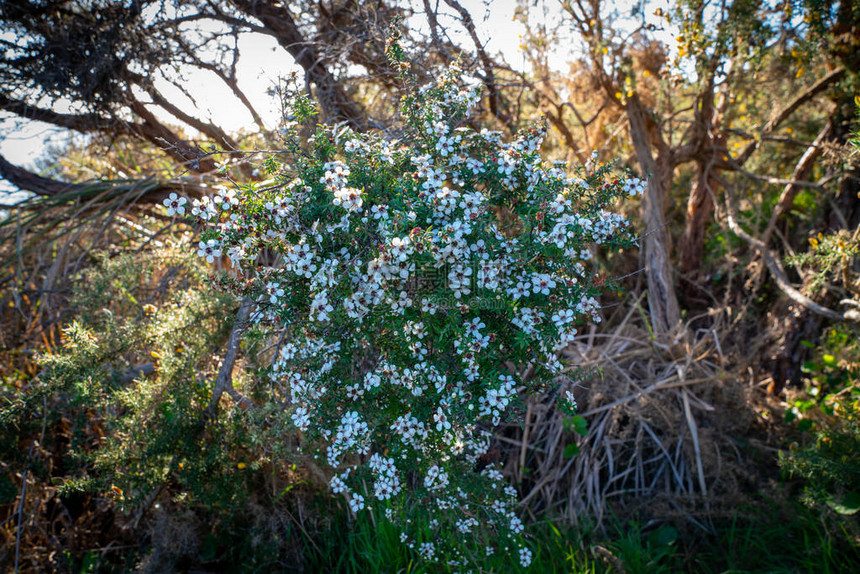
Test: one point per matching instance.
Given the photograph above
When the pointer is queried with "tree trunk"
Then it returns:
(700, 205)
(662, 300)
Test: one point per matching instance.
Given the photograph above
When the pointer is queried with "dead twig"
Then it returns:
(775, 267)
(224, 380)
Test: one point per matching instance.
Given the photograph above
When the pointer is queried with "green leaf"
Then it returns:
(849, 504)
(809, 367)
(829, 360)
(209, 549)
(805, 425)
(570, 451)
(579, 425)
(665, 536)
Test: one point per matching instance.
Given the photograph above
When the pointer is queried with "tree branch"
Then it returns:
(775, 267)
(84, 123)
(224, 380)
(487, 63)
(330, 93)
(801, 171)
(662, 301)
(43, 186)
(789, 109)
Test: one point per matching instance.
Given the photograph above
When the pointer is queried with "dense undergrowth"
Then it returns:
(125, 470)
(113, 459)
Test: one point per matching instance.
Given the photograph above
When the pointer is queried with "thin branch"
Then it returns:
(330, 92)
(486, 62)
(224, 380)
(783, 114)
(775, 267)
(229, 80)
(786, 198)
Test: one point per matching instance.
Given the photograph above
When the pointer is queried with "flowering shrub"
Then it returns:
(409, 283)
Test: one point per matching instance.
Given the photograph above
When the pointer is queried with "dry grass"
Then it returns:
(662, 421)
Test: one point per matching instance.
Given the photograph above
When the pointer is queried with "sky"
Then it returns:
(262, 61)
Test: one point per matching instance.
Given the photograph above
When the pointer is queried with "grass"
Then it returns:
(361, 547)
(781, 538)
(767, 538)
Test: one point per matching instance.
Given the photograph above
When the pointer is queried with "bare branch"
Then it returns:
(84, 122)
(230, 81)
(789, 109)
(786, 199)
(487, 63)
(224, 380)
(775, 267)
(330, 93)
(44, 186)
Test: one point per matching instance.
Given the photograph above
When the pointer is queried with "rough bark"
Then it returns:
(224, 380)
(700, 205)
(707, 143)
(662, 300)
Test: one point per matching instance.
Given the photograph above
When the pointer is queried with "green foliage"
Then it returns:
(372, 544)
(775, 538)
(831, 257)
(132, 380)
(829, 465)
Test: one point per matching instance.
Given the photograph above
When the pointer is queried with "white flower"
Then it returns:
(436, 478)
(320, 308)
(337, 485)
(274, 291)
(204, 208)
(570, 399)
(301, 418)
(441, 420)
(516, 526)
(356, 502)
(525, 557)
(427, 550)
(175, 205)
(349, 198)
(209, 249)
(563, 317)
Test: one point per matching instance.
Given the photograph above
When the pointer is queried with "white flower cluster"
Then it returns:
(403, 276)
(351, 434)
